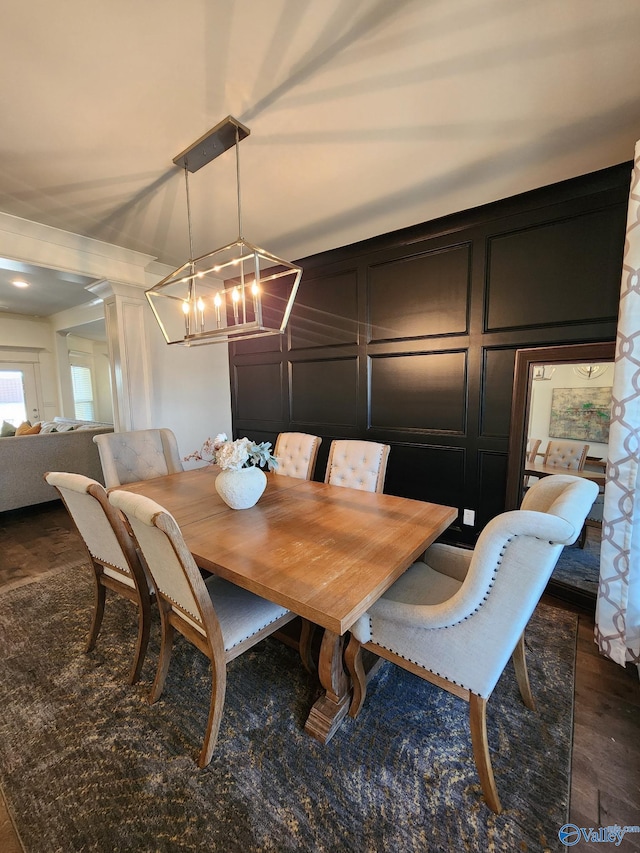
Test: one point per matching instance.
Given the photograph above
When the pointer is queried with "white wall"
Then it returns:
(191, 389)
(102, 377)
(563, 377)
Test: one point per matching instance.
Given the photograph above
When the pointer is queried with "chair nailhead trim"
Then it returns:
(426, 668)
(271, 621)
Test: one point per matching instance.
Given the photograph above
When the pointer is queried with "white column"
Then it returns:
(125, 309)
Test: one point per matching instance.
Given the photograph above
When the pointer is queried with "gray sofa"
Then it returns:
(24, 460)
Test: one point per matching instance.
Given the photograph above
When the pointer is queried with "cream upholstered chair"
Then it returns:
(456, 617)
(127, 457)
(296, 453)
(570, 455)
(219, 618)
(357, 464)
(533, 446)
(114, 559)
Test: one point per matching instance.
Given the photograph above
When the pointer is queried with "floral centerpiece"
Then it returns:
(241, 480)
(233, 455)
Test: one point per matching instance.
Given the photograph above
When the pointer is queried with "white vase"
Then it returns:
(241, 489)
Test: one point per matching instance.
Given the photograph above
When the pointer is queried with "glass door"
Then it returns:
(18, 393)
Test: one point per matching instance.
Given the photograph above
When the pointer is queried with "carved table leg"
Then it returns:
(331, 708)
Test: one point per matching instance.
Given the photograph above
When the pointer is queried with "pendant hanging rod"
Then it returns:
(240, 237)
(186, 181)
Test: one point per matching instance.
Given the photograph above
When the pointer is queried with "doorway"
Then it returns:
(19, 399)
(534, 371)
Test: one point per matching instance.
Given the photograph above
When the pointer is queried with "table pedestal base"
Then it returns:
(329, 710)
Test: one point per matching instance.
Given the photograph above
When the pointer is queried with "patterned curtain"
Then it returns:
(618, 606)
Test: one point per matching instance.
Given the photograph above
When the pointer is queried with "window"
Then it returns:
(82, 392)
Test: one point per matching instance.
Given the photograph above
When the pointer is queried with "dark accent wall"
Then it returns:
(410, 338)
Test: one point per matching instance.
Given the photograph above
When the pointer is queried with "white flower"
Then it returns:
(233, 455)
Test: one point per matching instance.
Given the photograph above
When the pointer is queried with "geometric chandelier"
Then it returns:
(236, 292)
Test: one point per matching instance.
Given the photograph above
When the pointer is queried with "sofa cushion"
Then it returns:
(7, 429)
(26, 429)
(56, 426)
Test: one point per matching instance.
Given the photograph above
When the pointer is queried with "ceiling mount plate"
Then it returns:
(214, 143)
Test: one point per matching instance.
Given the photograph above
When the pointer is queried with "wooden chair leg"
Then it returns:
(166, 644)
(218, 690)
(478, 725)
(582, 539)
(355, 667)
(522, 674)
(98, 613)
(307, 631)
(144, 629)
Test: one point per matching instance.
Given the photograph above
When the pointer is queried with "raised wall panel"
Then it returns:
(325, 392)
(497, 388)
(492, 469)
(253, 346)
(560, 272)
(420, 296)
(325, 312)
(419, 392)
(427, 473)
(259, 392)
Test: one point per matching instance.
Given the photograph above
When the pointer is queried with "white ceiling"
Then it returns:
(365, 115)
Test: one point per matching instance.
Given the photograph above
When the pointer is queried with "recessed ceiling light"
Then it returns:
(20, 283)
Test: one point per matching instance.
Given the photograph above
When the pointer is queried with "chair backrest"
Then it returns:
(510, 567)
(523, 546)
(175, 574)
(128, 457)
(296, 453)
(532, 449)
(566, 454)
(357, 464)
(100, 526)
(564, 496)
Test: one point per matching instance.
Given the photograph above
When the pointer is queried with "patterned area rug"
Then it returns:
(580, 567)
(86, 764)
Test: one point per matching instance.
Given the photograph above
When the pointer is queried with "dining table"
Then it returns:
(539, 469)
(324, 552)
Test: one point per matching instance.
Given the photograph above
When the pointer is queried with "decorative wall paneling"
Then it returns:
(410, 338)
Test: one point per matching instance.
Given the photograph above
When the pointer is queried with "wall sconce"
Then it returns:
(542, 371)
(589, 371)
(235, 292)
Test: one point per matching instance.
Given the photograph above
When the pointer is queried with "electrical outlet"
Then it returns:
(469, 517)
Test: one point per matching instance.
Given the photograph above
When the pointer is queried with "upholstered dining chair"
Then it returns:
(128, 457)
(357, 464)
(570, 455)
(456, 616)
(221, 619)
(533, 445)
(296, 453)
(114, 559)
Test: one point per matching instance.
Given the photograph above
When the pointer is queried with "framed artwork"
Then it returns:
(581, 413)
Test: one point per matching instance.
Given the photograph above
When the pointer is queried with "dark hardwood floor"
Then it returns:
(605, 770)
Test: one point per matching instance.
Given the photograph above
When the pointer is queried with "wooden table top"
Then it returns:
(540, 470)
(324, 552)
